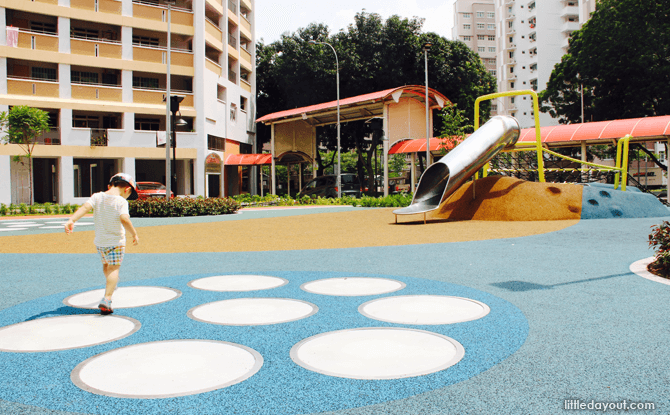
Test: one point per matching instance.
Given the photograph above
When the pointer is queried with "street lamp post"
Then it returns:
(426, 48)
(168, 115)
(337, 77)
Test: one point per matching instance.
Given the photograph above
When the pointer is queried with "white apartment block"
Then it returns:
(532, 38)
(475, 24)
(99, 68)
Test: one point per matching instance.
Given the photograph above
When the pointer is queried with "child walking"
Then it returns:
(111, 217)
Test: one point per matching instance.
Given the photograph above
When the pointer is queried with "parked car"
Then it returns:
(326, 186)
(146, 190)
(398, 185)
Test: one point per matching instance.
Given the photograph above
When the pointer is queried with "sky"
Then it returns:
(274, 17)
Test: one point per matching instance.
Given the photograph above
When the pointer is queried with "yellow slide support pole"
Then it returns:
(536, 113)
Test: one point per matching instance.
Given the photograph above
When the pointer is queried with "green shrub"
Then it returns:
(47, 208)
(3, 209)
(659, 240)
(182, 206)
(23, 208)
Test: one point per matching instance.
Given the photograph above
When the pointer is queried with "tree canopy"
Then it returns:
(23, 125)
(374, 54)
(621, 56)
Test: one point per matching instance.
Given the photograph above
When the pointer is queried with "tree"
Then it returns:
(23, 125)
(621, 57)
(374, 54)
(454, 127)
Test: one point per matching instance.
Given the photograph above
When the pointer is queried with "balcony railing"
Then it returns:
(99, 137)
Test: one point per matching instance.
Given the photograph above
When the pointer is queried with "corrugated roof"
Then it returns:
(649, 128)
(358, 107)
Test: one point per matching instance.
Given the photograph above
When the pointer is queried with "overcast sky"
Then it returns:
(274, 17)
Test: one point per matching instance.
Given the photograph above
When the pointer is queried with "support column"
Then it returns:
(128, 166)
(5, 185)
(273, 169)
(583, 175)
(385, 152)
(66, 180)
(412, 177)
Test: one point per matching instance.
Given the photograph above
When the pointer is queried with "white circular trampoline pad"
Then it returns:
(252, 311)
(124, 297)
(66, 332)
(166, 369)
(237, 283)
(424, 309)
(352, 286)
(377, 353)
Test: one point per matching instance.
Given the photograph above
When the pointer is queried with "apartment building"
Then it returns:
(99, 68)
(475, 25)
(532, 38)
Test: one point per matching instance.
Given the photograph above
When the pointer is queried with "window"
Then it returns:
(147, 124)
(83, 33)
(480, 14)
(492, 48)
(511, 54)
(243, 104)
(467, 38)
(494, 107)
(492, 38)
(467, 15)
(466, 27)
(145, 41)
(78, 77)
(511, 39)
(481, 49)
(511, 85)
(48, 74)
(491, 15)
(492, 72)
(481, 37)
(491, 26)
(480, 25)
(233, 112)
(141, 82)
(40, 27)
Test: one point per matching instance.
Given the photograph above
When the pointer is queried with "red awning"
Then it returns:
(650, 128)
(418, 145)
(248, 159)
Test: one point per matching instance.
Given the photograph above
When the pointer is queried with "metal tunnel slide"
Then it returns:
(445, 176)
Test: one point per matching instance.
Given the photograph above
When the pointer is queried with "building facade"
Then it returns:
(475, 25)
(532, 38)
(99, 68)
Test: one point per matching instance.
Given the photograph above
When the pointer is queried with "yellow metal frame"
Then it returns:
(621, 165)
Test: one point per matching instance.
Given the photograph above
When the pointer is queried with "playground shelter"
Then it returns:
(402, 110)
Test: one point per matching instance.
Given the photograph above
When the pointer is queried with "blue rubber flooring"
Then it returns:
(569, 322)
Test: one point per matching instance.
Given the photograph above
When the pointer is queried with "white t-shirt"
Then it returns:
(107, 211)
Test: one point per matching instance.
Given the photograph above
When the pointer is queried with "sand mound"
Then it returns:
(499, 198)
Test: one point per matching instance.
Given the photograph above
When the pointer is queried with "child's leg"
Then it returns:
(112, 276)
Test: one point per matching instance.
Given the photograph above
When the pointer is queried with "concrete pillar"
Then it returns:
(5, 185)
(66, 180)
(64, 34)
(128, 166)
(64, 85)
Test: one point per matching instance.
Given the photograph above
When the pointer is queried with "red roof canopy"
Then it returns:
(248, 159)
(352, 108)
(650, 128)
(418, 145)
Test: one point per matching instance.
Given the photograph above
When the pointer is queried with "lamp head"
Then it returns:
(312, 42)
(427, 46)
